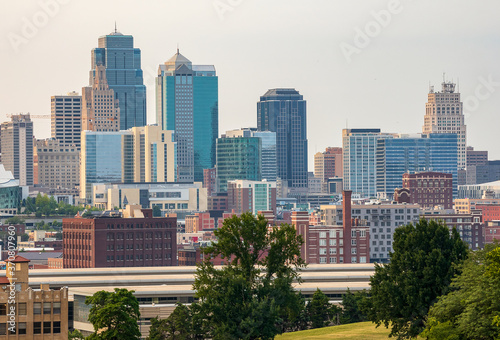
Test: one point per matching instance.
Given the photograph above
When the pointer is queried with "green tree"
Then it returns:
(177, 326)
(320, 310)
(114, 315)
(252, 296)
(156, 211)
(472, 309)
(352, 307)
(14, 220)
(75, 335)
(424, 261)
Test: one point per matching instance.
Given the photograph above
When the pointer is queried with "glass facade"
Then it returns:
(238, 158)
(124, 75)
(430, 152)
(268, 154)
(283, 111)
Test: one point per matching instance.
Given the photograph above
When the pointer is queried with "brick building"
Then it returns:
(209, 180)
(429, 189)
(491, 232)
(115, 241)
(199, 222)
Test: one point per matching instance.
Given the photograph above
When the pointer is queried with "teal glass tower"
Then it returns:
(116, 52)
(187, 102)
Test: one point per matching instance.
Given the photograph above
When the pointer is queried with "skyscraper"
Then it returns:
(284, 111)
(444, 114)
(187, 102)
(328, 164)
(66, 118)
(122, 61)
(101, 111)
(17, 148)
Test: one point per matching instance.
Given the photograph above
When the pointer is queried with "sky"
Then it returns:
(358, 64)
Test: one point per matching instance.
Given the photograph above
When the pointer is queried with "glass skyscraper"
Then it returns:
(187, 102)
(284, 111)
(116, 52)
(426, 152)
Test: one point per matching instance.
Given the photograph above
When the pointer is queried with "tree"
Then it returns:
(252, 296)
(177, 326)
(472, 309)
(424, 261)
(75, 335)
(320, 310)
(352, 307)
(114, 315)
(14, 220)
(157, 211)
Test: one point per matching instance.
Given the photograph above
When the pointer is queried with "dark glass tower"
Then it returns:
(187, 102)
(284, 111)
(124, 75)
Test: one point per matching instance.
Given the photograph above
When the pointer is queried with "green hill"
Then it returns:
(353, 331)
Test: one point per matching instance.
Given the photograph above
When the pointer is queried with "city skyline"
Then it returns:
(391, 74)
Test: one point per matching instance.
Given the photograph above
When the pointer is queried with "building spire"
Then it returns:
(115, 27)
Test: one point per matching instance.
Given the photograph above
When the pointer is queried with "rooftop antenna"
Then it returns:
(115, 27)
(177, 48)
(458, 84)
(444, 81)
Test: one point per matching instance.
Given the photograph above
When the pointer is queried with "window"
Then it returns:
(3, 309)
(21, 308)
(333, 243)
(333, 260)
(322, 260)
(57, 327)
(322, 251)
(322, 234)
(341, 251)
(353, 251)
(353, 242)
(37, 328)
(3, 329)
(37, 308)
(353, 259)
(46, 327)
(47, 308)
(353, 233)
(322, 242)
(362, 259)
(333, 251)
(363, 233)
(21, 328)
(57, 308)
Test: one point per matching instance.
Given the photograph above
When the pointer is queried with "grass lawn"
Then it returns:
(353, 331)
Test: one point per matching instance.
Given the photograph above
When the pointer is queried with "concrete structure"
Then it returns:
(56, 165)
(187, 102)
(238, 158)
(381, 219)
(218, 201)
(17, 148)
(283, 111)
(251, 196)
(124, 76)
(10, 193)
(40, 313)
(101, 111)
(470, 226)
(66, 118)
(199, 222)
(328, 164)
(476, 157)
(466, 205)
(170, 197)
(444, 114)
(429, 189)
(120, 241)
(476, 191)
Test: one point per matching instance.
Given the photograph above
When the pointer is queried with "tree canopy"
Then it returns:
(472, 309)
(421, 268)
(114, 315)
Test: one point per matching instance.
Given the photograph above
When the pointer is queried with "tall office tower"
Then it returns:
(238, 158)
(138, 155)
(187, 102)
(252, 196)
(412, 154)
(154, 154)
(328, 164)
(17, 148)
(122, 62)
(66, 118)
(444, 114)
(359, 148)
(284, 111)
(101, 111)
(56, 165)
(268, 155)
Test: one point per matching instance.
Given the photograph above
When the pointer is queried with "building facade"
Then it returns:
(17, 148)
(66, 118)
(187, 102)
(56, 165)
(328, 164)
(444, 114)
(283, 111)
(251, 196)
(124, 76)
(144, 241)
(210, 180)
(429, 189)
(10, 192)
(238, 158)
(100, 111)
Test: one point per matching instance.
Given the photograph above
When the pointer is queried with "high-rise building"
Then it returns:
(101, 111)
(210, 180)
(328, 164)
(66, 118)
(187, 102)
(238, 158)
(284, 111)
(10, 193)
(427, 189)
(444, 114)
(359, 151)
(252, 196)
(414, 153)
(122, 61)
(17, 148)
(140, 154)
(56, 165)
(476, 157)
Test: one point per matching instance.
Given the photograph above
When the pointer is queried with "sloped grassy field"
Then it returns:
(353, 331)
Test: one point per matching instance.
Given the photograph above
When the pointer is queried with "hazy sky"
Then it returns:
(362, 63)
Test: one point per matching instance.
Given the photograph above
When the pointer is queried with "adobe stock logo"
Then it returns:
(482, 92)
(224, 6)
(31, 25)
(372, 29)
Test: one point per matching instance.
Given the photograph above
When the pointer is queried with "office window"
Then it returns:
(37, 308)
(47, 308)
(21, 308)
(37, 328)
(46, 327)
(57, 308)
(57, 327)
(3, 329)
(21, 327)
(3, 309)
